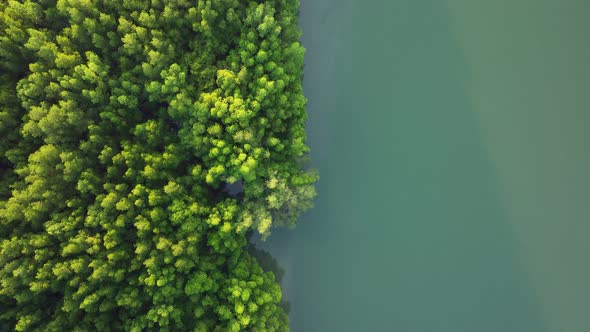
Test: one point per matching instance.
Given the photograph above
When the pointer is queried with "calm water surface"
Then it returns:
(452, 141)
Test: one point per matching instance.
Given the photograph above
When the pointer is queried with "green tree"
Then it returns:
(122, 122)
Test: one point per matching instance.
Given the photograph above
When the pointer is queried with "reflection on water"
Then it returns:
(269, 264)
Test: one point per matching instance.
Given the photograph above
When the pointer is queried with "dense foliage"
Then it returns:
(122, 124)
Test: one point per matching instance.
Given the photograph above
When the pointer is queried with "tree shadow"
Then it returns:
(269, 264)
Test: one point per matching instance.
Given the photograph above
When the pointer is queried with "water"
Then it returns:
(452, 141)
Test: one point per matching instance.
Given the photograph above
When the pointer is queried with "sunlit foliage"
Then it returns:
(121, 121)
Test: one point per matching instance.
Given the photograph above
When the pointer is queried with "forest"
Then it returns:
(123, 124)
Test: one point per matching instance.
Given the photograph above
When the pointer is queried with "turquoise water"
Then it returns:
(452, 141)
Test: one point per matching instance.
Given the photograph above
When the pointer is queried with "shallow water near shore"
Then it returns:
(451, 137)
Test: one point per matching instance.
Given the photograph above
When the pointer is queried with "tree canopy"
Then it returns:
(121, 123)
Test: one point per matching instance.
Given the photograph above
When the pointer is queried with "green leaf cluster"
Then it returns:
(122, 123)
